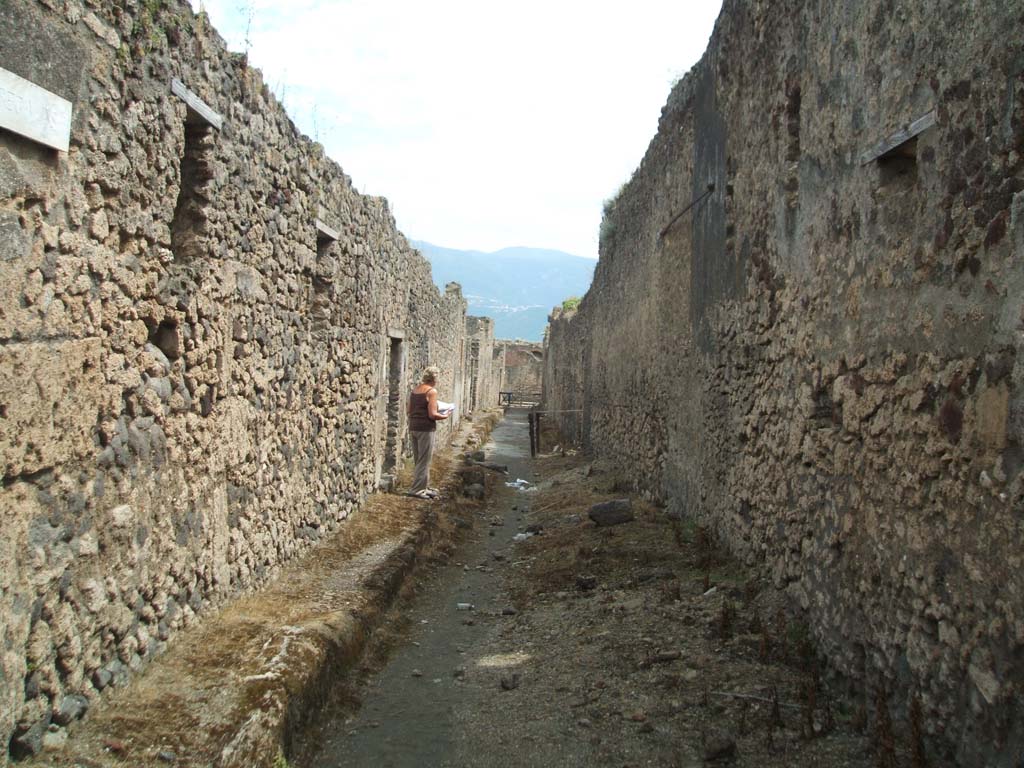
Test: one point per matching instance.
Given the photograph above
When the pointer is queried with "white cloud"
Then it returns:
(486, 125)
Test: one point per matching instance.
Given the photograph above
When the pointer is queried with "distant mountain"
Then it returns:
(516, 286)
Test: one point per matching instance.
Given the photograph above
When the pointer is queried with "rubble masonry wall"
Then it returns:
(196, 383)
(524, 368)
(822, 358)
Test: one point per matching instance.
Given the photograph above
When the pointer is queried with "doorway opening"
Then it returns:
(393, 423)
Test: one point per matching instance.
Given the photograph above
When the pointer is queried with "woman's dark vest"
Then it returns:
(419, 416)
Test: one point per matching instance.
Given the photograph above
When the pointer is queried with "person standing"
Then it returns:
(423, 418)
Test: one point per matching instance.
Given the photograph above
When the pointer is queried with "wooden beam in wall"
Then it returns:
(196, 105)
(901, 136)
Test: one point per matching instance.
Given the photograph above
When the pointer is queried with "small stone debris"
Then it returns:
(28, 743)
(536, 529)
(646, 727)
(464, 606)
(584, 723)
(116, 746)
(496, 521)
(586, 583)
(502, 468)
(54, 740)
(660, 658)
(615, 512)
(167, 756)
(498, 556)
(474, 491)
(417, 673)
(509, 611)
(468, 622)
(719, 746)
(478, 456)
(510, 683)
(459, 673)
(71, 708)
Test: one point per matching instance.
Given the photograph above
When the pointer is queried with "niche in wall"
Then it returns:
(188, 227)
(896, 154)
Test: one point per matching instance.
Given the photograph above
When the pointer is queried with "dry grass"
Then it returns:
(262, 650)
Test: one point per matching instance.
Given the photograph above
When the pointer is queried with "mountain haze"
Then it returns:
(516, 286)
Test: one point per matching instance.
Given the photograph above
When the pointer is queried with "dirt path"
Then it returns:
(591, 646)
(411, 710)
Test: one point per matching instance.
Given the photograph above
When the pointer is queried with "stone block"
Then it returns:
(50, 397)
(993, 414)
(613, 512)
(71, 708)
(15, 242)
(231, 421)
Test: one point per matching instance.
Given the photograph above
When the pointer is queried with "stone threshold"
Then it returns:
(231, 691)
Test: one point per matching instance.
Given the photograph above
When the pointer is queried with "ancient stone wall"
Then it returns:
(497, 371)
(524, 366)
(480, 365)
(206, 337)
(806, 330)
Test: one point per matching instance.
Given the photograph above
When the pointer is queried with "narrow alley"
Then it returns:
(546, 640)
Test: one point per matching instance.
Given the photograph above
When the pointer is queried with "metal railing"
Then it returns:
(519, 399)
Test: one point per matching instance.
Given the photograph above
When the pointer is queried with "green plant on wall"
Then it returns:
(571, 304)
(607, 208)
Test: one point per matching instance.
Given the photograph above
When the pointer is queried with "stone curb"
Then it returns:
(289, 702)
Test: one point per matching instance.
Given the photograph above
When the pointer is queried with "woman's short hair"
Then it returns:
(430, 374)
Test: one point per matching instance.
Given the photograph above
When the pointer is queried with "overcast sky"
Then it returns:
(485, 124)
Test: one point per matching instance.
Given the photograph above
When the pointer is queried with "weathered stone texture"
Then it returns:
(483, 374)
(524, 366)
(194, 387)
(823, 358)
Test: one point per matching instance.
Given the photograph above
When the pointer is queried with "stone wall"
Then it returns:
(524, 366)
(206, 337)
(822, 357)
(497, 371)
(480, 364)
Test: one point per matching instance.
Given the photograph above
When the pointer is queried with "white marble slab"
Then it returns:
(34, 112)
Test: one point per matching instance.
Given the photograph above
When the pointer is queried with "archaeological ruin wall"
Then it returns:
(497, 371)
(206, 337)
(482, 373)
(805, 330)
(524, 367)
